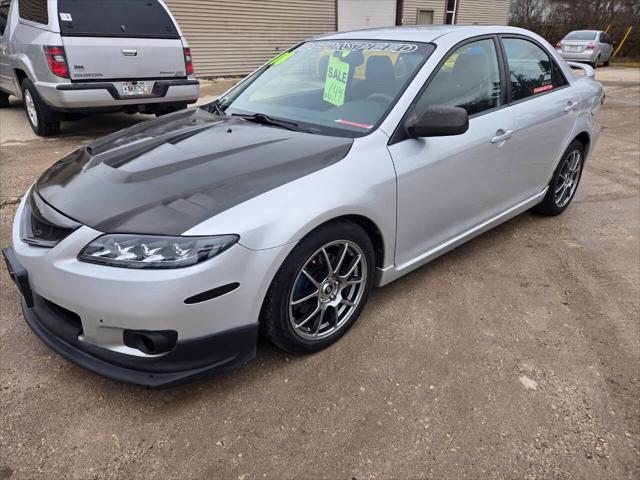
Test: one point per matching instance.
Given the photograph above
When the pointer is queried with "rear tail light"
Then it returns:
(558, 45)
(57, 61)
(188, 61)
(591, 45)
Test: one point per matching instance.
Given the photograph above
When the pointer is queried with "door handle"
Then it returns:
(502, 136)
(571, 106)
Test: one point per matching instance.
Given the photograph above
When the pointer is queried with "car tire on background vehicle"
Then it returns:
(4, 100)
(594, 64)
(351, 258)
(607, 63)
(39, 116)
(565, 181)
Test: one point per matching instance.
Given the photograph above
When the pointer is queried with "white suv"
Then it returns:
(86, 56)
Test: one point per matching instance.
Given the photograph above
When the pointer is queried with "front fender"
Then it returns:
(363, 183)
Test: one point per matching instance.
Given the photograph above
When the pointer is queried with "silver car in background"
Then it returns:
(586, 46)
(70, 57)
(156, 254)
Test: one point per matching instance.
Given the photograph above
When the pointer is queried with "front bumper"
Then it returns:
(84, 311)
(189, 360)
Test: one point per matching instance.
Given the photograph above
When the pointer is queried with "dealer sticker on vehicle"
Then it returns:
(134, 88)
(335, 84)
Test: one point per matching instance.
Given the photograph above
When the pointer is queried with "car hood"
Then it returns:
(167, 175)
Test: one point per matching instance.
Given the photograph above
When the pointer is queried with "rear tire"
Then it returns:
(41, 119)
(4, 100)
(287, 319)
(565, 181)
(607, 63)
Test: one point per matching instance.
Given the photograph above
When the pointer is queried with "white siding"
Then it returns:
(483, 12)
(410, 10)
(355, 14)
(233, 37)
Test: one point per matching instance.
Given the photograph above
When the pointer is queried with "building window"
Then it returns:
(450, 14)
(425, 17)
(34, 11)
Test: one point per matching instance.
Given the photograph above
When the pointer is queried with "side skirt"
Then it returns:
(389, 274)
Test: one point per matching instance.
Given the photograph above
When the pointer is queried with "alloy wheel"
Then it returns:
(328, 290)
(568, 178)
(31, 108)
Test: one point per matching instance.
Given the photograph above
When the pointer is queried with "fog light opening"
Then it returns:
(151, 342)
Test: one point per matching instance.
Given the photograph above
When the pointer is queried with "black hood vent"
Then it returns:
(42, 225)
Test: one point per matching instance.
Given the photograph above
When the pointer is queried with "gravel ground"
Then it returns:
(515, 356)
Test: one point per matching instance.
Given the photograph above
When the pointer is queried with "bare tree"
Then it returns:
(553, 19)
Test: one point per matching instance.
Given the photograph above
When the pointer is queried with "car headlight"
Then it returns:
(151, 251)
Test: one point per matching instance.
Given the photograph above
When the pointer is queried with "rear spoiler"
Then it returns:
(589, 72)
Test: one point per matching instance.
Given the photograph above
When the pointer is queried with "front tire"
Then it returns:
(42, 121)
(320, 290)
(565, 181)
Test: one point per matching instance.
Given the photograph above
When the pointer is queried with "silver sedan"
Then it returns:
(588, 46)
(155, 255)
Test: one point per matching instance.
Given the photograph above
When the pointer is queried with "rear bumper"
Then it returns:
(101, 95)
(585, 57)
(189, 360)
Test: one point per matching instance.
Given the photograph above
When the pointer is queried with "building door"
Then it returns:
(425, 17)
(355, 14)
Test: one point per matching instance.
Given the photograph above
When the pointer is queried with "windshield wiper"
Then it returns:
(267, 120)
(214, 107)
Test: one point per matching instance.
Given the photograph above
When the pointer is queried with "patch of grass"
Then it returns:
(626, 64)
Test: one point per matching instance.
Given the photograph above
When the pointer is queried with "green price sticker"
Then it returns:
(281, 58)
(335, 85)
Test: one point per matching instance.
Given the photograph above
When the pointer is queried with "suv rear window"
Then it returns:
(115, 18)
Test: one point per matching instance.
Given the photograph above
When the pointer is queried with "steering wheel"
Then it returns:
(382, 98)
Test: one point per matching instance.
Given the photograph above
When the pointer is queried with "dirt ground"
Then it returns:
(515, 356)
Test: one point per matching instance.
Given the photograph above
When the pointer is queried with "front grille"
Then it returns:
(43, 226)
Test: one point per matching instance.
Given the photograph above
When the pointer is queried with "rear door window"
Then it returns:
(34, 11)
(115, 18)
(531, 69)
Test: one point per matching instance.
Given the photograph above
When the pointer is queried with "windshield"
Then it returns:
(115, 18)
(342, 88)
(581, 36)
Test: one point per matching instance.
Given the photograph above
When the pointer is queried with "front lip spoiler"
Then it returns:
(243, 339)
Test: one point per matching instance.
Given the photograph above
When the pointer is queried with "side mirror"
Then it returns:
(438, 122)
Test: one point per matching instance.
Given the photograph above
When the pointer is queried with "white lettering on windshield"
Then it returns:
(362, 46)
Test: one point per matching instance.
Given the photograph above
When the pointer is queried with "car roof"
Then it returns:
(427, 33)
(586, 31)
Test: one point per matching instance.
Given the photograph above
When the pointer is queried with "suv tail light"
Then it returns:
(57, 61)
(188, 61)
(558, 45)
(591, 45)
